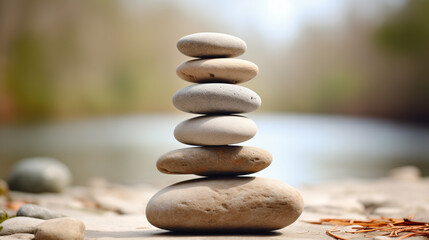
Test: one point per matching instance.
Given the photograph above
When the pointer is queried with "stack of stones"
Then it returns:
(222, 201)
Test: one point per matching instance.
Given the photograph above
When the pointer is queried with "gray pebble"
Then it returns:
(37, 175)
(216, 98)
(36, 211)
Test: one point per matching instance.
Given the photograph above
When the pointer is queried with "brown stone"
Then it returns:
(60, 229)
(217, 70)
(214, 161)
(225, 205)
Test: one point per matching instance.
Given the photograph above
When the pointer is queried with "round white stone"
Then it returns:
(215, 130)
(210, 44)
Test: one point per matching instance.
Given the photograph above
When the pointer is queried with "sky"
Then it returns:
(275, 20)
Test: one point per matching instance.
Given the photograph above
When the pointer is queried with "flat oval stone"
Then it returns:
(216, 98)
(19, 225)
(215, 161)
(215, 130)
(210, 44)
(225, 204)
(36, 211)
(19, 236)
(217, 70)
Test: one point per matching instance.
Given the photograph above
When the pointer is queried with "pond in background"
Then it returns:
(306, 148)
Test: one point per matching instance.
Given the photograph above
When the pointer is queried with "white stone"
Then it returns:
(210, 44)
(215, 130)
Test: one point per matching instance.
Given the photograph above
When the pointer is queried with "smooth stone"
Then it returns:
(19, 225)
(406, 173)
(216, 98)
(215, 161)
(37, 175)
(215, 130)
(36, 211)
(210, 44)
(225, 204)
(60, 229)
(217, 70)
(18, 236)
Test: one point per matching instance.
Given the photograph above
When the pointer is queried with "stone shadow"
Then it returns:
(162, 234)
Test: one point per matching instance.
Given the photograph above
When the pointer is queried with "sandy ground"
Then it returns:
(112, 211)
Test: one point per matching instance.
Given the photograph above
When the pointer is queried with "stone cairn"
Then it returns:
(222, 201)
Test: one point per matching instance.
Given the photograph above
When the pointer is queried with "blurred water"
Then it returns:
(306, 148)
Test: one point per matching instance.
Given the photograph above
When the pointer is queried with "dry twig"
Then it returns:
(330, 233)
(393, 227)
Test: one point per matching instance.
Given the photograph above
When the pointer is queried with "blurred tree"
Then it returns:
(405, 36)
(406, 32)
(372, 68)
(66, 59)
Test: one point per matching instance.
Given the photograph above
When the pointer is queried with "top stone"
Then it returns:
(211, 45)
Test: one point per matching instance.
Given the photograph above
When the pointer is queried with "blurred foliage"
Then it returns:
(4, 188)
(405, 35)
(68, 59)
(3, 217)
(65, 59)
(407, 31)
(375, 68)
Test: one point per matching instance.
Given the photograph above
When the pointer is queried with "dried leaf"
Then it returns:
(392, 227)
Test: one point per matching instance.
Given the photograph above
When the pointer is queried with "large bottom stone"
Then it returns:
(236, 204)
